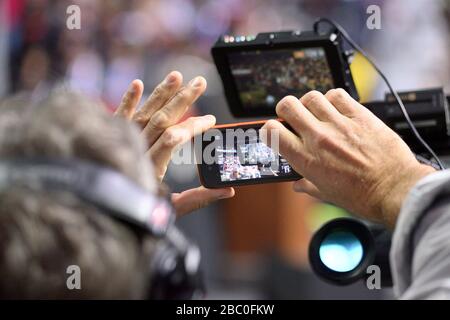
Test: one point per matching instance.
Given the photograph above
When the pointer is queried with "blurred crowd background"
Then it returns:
(254, 246)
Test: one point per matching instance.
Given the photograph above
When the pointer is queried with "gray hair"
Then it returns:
(67, 124)
(42, 232)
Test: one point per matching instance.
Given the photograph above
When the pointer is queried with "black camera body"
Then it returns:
(429, 112)
(257, 71)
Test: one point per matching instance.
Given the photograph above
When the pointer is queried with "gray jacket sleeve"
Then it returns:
(420, 252)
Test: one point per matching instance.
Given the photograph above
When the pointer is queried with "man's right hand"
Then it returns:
(346, 155)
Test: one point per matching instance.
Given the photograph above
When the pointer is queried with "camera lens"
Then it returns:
(341, 251)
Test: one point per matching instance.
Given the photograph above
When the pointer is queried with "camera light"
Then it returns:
(230, 39)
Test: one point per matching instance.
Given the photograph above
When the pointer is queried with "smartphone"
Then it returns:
(234, 155)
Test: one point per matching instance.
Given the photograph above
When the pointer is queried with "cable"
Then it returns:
(355, 46)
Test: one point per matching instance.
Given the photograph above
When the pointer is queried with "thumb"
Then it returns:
(193, 199)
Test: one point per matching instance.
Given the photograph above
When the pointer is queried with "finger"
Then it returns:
(172, 112)
(193, 199)
(130, 100)
(342, 101)
(306, 186)
(320, 107)
(161, 151)
(299, 118)
(275, 135)
(159, 97)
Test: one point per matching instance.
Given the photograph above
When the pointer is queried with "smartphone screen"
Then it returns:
(234, 155)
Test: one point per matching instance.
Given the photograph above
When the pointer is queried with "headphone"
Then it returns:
(174, 271)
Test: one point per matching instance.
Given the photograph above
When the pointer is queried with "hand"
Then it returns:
(159, 119)
(346, 155)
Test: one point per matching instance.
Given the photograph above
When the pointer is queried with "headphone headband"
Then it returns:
(104, 187)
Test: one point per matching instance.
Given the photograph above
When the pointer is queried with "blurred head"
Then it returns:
(42, 233)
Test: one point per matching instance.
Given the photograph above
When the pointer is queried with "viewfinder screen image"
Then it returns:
(264, 77)
(250, 159)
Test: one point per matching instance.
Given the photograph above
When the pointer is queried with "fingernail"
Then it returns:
(224, 195)
(171, 78)
(131, 88)
(196, 82)
(209, 118)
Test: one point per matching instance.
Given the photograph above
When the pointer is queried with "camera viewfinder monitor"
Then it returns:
(258, 72)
